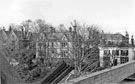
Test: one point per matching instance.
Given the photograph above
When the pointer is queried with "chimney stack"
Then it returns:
(127, 36)
(132, 40)
(22, 32)
(70, 29)
(10, 28)
(54, 30)
(22, 28)
(3, 28)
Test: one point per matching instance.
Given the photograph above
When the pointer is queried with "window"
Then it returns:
(106, 52)
(110, 42)
(123, 60)
(106, 61)
(64, 53)
(40, 46)
(53, 51)
(52, 44)
(124, 52)
(45, 46)
(41, 36)
(115, 52)
(64, 44)
(40, 53)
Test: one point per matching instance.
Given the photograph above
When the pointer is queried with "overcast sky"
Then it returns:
(110, 15)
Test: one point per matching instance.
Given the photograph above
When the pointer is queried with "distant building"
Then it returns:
(54, 44)
(116, 49)
(15, 39)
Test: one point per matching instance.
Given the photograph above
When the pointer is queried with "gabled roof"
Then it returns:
(34, 36)
(4, 35)
(59, 35)
(24, 34)
(18, 34)
(124, 44)
(52, 36)
(45, 36)
(7, 33)
(1, 36)
(56, 36)
(69, 36)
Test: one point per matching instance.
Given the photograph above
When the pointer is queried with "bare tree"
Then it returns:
(41, 26)
(85, 38)
(62, 28)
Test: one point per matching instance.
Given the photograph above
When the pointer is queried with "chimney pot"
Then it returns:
(70, 29)
(132, 40)
(10, 28)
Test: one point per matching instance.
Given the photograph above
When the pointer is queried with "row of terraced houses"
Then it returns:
(49, 43)
(114, 47)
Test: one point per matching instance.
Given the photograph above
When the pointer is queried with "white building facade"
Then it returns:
(116, 49)
(118, 54)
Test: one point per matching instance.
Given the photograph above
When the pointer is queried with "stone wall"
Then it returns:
(111, 75)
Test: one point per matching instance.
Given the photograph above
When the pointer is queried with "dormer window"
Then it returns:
(64, 38)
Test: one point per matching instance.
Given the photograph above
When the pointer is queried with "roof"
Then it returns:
(121, 44)
(69, 35)
(57, 36)
(34, 36)
(53, 36)
(7, 33)
(18, 34)
(1, 36)
(116, 36)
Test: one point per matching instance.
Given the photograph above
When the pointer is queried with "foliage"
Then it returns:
(37, 26)
(62, 28)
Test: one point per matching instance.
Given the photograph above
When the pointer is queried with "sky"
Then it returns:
(109, 15)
